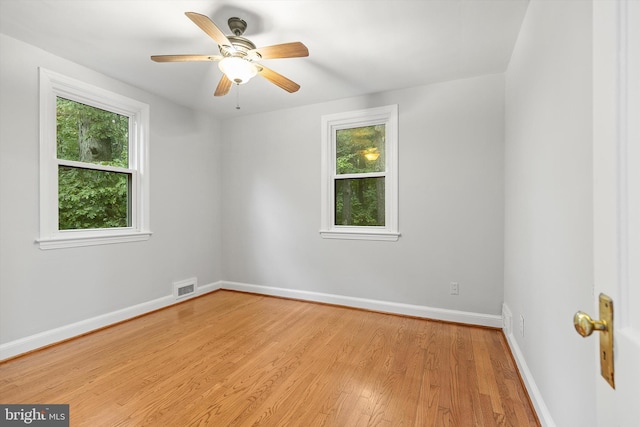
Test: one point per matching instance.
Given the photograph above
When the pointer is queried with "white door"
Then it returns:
(616, 181)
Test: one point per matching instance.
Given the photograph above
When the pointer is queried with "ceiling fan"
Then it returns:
(238, 55)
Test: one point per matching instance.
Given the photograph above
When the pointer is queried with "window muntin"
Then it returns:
(359, 167)
(94, 172)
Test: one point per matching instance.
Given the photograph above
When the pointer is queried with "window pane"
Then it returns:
(360, 150)
(360, 201)
(93, 199)
(91, 135)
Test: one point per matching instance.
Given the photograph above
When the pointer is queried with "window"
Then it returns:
(93, 165)
(360, 169)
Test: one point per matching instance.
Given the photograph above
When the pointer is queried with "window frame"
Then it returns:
(331, 123)
(52, 86)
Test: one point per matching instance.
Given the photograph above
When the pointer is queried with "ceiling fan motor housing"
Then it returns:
(241, 45)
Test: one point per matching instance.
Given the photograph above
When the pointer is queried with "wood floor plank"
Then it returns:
(235, 359)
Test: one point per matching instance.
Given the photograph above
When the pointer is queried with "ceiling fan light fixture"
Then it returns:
(237, 70)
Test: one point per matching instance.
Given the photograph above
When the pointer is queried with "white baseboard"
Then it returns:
(534, 393)
(479, 319)
(33, 342)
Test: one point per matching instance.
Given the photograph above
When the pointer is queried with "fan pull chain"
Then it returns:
(237, 96)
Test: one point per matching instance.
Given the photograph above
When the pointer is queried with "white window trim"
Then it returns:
(53, 85)
(387, 115)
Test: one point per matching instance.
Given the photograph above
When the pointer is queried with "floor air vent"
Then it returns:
(185, 288)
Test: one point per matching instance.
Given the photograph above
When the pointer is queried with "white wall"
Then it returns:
(451, 201)
(548, 199)
(42, 290)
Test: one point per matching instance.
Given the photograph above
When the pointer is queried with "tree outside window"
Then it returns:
(359, 191)
(91, 198)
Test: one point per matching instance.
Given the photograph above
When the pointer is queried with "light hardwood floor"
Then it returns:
(234, 359)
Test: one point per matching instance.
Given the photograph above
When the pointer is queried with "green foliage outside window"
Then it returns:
(360, 201)
(89, 198)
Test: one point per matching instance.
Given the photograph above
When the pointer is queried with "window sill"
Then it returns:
(387, 236)
(76, 240)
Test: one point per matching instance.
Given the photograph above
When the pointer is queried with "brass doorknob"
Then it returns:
(585, 325)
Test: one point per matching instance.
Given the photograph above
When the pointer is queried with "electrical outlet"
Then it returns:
(453, 288)
(521, 325)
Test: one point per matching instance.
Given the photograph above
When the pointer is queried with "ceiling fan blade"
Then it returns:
(207, 25)
(284, 50)
(278, 79)
(185, 58)
(223, 87)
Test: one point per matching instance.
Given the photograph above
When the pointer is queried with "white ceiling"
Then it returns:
(356, 47)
